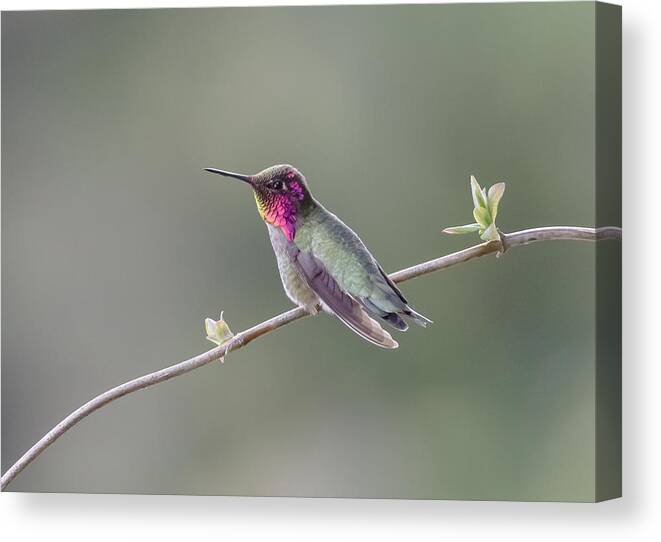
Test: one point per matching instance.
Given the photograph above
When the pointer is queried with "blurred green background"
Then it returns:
(116, 245)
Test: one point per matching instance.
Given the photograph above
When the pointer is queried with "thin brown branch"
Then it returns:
(241, 339)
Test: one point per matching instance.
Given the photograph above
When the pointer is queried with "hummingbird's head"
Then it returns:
(281, 194)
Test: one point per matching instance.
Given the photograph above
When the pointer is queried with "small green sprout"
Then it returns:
(218, 332)
(485, 209)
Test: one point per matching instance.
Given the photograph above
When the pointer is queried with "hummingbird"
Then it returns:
(322, 262)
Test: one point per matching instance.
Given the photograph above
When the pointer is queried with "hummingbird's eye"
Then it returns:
(276, 185)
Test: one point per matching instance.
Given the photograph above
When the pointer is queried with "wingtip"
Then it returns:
(392, 344)
(379, 337)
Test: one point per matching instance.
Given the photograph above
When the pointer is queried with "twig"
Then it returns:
(509, 240)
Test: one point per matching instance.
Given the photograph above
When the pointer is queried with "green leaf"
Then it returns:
(218, 332)
(482, 216)
(493, 198)
(479, 199)
(459, 230)
(490, 234)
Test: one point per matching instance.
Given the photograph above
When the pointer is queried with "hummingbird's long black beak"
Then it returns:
(244, 178)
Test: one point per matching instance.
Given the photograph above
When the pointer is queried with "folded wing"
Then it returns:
(343, 305)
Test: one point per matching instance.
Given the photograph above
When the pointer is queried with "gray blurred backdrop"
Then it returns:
(116, 245)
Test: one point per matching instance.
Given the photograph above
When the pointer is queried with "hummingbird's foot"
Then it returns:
(312, 310)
